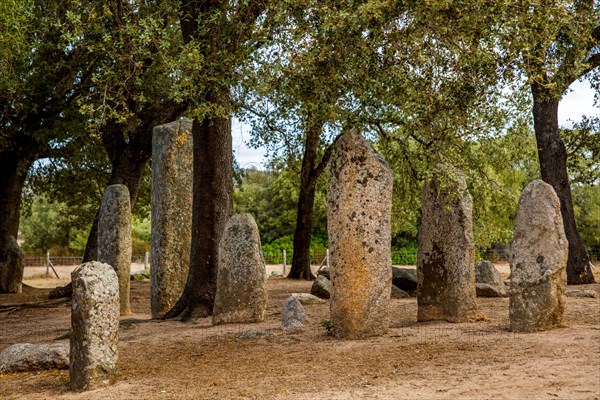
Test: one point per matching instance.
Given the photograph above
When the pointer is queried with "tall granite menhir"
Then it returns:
(241, 279)
(114, 238)
(538, 261)
(94, 326)
(446, 255)
(359, 199)
(171, 213)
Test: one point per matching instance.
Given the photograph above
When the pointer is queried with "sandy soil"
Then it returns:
(175, 360)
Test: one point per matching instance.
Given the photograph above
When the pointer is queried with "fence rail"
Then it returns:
(40, 261)
(400, 257)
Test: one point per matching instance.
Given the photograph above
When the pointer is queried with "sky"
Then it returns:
(575, 104)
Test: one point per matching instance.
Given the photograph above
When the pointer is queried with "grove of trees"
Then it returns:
(469, 83)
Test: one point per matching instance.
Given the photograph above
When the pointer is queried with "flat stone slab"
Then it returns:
(581, 293)
(22, 357)
(307, 298)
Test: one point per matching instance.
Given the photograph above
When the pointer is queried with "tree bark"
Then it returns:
(553, 166)
(304, 218)
(212, 208)
(12, 179)
(309, 174)
(13, 169)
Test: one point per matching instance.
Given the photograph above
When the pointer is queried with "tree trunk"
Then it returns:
(304, 220)
(212, 208)
(12, 178)
(553, 166)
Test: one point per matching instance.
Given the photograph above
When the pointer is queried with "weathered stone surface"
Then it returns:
(488, 280)
(34, 357)
(306, 298)
(359, 200)
(293, 315)
(485, 272)
(404, 278)
(398, 293)
(241, 279)
(325, 272)
(171, 213)
(94, 326)
(486, 290)
(12, 263)
(446, 256)
(114, 238)
(538, 261)
(581, 293)
(321, 287)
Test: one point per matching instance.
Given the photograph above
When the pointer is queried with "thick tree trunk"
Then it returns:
(13, 171)
(553, 166)
(212, 208)
(304, 222)
(309, 174)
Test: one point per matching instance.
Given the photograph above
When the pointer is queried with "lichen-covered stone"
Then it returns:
(171, 213)
(94, 326)
(321, 287)
(114, 238)
(293, 315)
(22, 357)
(241, 279)
(12, 263)
(538, 261)
(359, 200)
(488, 281)
(446, 255)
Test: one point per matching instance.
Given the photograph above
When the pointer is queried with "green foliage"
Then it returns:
(586, 201)
(583, 151)
(405, 255)
(271, 198)
(327, 324)
(47, 226)
(140, 235)
(53, 224)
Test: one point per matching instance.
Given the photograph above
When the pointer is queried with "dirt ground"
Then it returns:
(438, 360)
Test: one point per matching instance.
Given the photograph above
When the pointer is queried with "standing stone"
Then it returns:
(446, 256)
(114, 238)
(12, 263)
(94, 326)
(359, 199)
(171, 213)
(293, 315)
(538, 261)
(241, 279)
